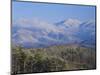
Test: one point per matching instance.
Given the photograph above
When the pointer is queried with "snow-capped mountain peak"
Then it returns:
(38, 33)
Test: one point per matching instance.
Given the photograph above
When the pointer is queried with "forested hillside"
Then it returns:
(54, 58)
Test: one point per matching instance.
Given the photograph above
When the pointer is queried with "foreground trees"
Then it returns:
(58, 58)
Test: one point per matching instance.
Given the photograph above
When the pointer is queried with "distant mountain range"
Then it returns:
(35, 33)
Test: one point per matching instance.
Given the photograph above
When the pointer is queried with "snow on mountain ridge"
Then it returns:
(47, 34)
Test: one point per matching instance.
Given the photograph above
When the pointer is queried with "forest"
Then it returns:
(52, 59)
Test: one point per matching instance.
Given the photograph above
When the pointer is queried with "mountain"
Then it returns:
(37, 33)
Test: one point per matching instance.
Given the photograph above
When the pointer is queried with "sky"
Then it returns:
(51, 12)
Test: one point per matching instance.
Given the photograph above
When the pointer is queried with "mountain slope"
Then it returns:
(37, 33)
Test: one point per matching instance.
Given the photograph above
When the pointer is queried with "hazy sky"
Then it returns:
(52, 12)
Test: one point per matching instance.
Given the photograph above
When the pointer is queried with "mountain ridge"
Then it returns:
(64, 32)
